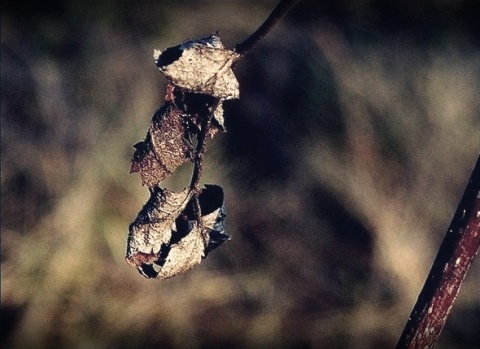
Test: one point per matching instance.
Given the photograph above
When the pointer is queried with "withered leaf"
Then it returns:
(179, 242)
(145, 162)
(153, 226)
(174, 231)
(165, 148)
(169, 133)
(201, 65)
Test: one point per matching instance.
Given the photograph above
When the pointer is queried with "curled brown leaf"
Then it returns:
(167, 238)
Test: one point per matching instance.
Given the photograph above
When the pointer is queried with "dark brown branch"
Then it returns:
(282, 7)
(277, 13)
(200, 153)
(456, 253)
(200, 150)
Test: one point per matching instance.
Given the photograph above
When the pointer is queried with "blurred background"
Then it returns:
(356, 131)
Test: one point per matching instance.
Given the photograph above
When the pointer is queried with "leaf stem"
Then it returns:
(200, 150)
(200, 153)
(277, 13)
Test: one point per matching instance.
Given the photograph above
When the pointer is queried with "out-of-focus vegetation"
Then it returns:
(344, 160)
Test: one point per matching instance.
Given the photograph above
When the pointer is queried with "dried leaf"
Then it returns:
(201, 66)
(167, 232)
(145, 162)
(174, 231)
(183, 255)
(170, 136)
(153, 226)
(166, 146)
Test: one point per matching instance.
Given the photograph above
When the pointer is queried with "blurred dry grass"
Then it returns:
(342, 166)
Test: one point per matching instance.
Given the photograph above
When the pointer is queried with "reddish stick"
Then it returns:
(456, 253)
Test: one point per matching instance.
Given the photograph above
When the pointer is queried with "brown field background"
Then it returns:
(356, 131)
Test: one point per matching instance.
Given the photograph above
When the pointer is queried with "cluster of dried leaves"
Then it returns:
(175, 230)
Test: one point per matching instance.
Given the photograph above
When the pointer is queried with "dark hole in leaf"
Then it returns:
(164, 250)
(210, 199)
(183, 228)
(194, 103)
(169, 56)
(148, 271)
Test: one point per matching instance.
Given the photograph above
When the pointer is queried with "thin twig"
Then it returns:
(200, 150)
(282, 8)
(456, 253)
(200, 153)
(277, 13)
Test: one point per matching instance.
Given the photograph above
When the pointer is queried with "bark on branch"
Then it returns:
(456, 253)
